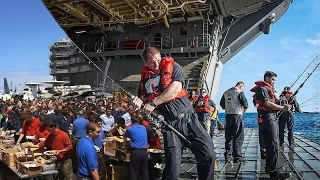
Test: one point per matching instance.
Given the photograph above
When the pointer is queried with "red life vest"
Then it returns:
(271, 94)
(193, 99)
(157, 82)
(202, 104)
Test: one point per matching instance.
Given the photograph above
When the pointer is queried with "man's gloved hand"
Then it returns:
(286, 107)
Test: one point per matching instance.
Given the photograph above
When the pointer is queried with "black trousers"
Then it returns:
(102, 165)
(202, 147)
(213, 127)
(286, 118)
(139, 164)
(261, 140)
(234, 135)
(270, 130)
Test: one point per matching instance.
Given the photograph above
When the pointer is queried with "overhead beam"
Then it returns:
(102, 8)
(187, 8)
(75, 11)
(50, 3)
(134, 6)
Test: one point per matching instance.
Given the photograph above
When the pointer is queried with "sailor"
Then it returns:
(235, 104)
(99, 144)
(88, 167)
(139, 135)
(286, 97)
(60, 143)
(264, 94)
(29, 126)
(161, 87)
(193, 97)
(202, 107)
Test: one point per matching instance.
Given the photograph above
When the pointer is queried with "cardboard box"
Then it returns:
(8, 156)
(7, 140)
(124, 155)
(115, 142)
(31, 171)
(109, 147)
(37, 151)
(7, 137)
(22, 157)
(48, 165)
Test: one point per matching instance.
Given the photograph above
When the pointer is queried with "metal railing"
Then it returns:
(60, 44)
(59, 63)
(159, 42)
(76, 60)
(59, 71)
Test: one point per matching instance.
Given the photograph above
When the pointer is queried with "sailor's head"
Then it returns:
(287, 88)
(270, 77)
(152, 58)
(203, 92)
(192, 93)
(240, 85)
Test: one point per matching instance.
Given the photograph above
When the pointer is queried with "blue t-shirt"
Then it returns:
(87, 157)
(79, 127)
(138, 136)
(99, 140)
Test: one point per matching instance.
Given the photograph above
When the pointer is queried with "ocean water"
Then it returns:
(305, 124)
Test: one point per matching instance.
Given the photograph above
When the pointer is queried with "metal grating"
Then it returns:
(302, 160)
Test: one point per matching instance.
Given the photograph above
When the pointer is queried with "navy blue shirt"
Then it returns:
(63, 123)
(202, 116)
(79, 127)
(99, 140)
(138, 136)
(87, 157)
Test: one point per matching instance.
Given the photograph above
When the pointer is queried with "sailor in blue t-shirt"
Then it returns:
(139, 144)
(79, 127)
(87, 154)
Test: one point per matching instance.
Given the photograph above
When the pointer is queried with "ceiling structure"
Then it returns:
(101, 13)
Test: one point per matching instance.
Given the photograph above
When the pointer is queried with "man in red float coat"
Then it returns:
(267, 110)
(161, 87)
(286, 97)
(193, 97)
(202, 107)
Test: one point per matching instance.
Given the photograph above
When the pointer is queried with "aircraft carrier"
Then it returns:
(201, 35)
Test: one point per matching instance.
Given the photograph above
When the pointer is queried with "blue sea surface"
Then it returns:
(305, 124)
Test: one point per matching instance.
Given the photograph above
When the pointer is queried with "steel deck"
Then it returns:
(302, 159)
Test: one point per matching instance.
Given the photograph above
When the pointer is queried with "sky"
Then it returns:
(27, 29)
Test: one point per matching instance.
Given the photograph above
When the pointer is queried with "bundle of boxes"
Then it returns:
(115, 146)
(17, 158)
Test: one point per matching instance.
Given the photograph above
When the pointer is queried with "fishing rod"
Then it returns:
(305, 70)
(301, 85)
(305, 105)
(159, 117)
(308, 100)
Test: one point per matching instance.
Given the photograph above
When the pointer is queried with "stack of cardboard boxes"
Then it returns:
(16, 158)
(115, 146)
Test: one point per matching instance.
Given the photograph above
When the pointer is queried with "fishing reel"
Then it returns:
(283, 101)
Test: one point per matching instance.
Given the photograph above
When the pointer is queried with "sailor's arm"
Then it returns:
(296, 106)
(169, 93)
(275, 106)
(222, 102)
(262, 94)
(243, 101)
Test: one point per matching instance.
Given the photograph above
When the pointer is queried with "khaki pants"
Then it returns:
(65, 171)
(206, 124)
